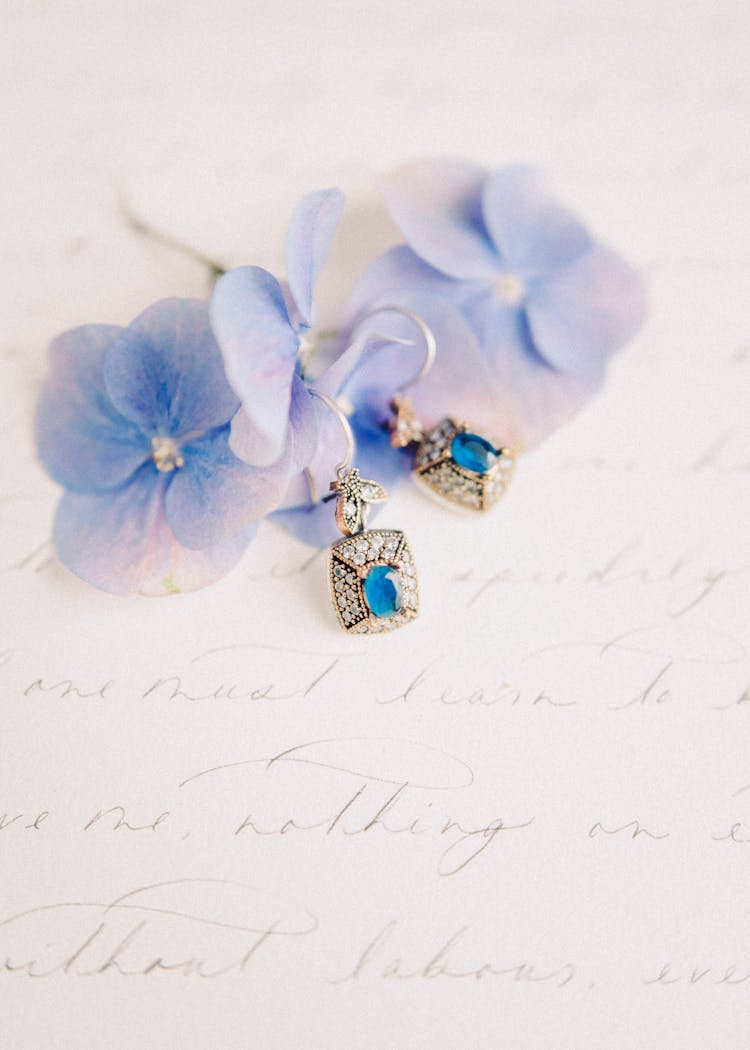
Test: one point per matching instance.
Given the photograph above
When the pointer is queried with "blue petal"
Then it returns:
(438, 207)
(460, 381)
(376, 457)
(215, 494)
(251, 445)
(83, 441)
(311, 231)
(531, 399)
(302, 437)
(533, 233)
(394, 274)
(397, 277)
(121, 542)
(260, 346)
(165, 371)
(581, 315)
(339, 371)
(312, 523)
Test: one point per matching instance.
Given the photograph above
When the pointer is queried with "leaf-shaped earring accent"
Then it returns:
(354, 494)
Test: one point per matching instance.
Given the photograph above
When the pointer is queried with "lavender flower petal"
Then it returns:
(259, 346)
(165, 372)
(214, 494)
(309, 237)
(585, 312)
(438, 206)
(121, 542)
(83, 441)
(533, 232)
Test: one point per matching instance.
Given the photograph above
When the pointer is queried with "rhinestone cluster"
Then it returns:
(352, 558)
(436, 468)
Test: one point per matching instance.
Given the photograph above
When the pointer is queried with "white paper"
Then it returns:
(522, 821)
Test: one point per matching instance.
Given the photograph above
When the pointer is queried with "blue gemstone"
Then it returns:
(474, 453)
(383, 590)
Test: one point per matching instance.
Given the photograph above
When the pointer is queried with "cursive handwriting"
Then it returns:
(391, 778)
(191, 927)
(447, 960)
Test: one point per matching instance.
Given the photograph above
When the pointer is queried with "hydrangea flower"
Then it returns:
(527, 307)
(262, 328)
(134, 424)
(265, 330)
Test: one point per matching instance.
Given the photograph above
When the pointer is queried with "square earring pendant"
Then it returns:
(373, 581)
(463, 466)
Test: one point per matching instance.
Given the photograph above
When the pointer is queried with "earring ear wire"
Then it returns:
(428, 335)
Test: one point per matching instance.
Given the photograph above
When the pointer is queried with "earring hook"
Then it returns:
(346, 462)
(425, 330)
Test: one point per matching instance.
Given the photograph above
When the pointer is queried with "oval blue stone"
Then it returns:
(383, 590)
(473, 452)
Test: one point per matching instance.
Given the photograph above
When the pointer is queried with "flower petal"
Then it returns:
(581, 315)
(83, 441)
(120, 541)
(165, 371)
(251, 444)
(252, 447)
(533, 233)
(339, 371)
(215, 494)
(313, 523)
(399, 278)
(396, 272)
(311, 231)
(260, 346)
(302, 437)
(438, 207)
(531, 399)
(460, 381)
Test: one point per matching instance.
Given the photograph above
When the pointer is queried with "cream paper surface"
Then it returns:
(522, 821)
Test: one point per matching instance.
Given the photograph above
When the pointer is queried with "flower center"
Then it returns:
(166, 454)
(510, 288)
(306, 345)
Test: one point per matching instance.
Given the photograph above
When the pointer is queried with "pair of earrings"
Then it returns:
(372, 573)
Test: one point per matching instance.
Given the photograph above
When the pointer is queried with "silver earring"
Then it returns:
(372, 574)
(453, 459)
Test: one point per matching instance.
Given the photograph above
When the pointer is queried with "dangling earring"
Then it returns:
(452, 459)
(371, 571)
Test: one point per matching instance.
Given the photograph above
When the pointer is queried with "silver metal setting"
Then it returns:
(430, 346)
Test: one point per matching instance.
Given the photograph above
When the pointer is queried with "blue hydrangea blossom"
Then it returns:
(262, 328)
(134, 423)
(526, 305)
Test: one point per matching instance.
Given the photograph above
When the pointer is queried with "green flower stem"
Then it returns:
(167, 240)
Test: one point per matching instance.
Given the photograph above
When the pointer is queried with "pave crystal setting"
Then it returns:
(373, 581)
(463, 466)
